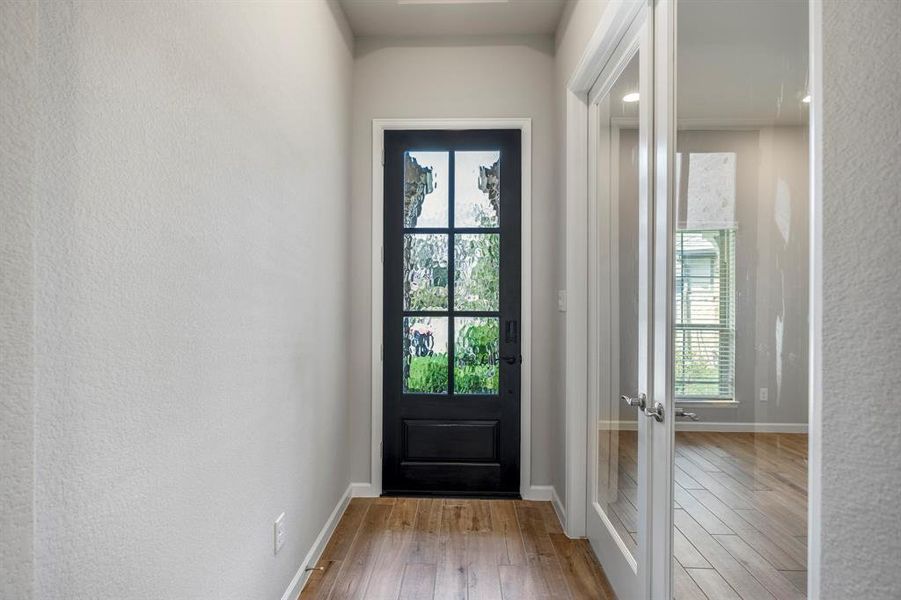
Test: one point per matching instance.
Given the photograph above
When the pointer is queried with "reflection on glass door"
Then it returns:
(740, 300)
(617, 424)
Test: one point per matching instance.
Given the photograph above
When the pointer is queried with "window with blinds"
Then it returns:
(704, 315)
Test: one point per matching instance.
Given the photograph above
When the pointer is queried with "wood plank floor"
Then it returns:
(740, 503)
(740, 511)
(420, 549)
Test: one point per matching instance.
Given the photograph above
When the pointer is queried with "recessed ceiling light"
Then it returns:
(632, 97)
(806, 99)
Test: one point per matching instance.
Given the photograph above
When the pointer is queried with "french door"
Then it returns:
(698, 198)
(621, 477)
(451, 419)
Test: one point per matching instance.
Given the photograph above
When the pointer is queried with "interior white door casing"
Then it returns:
(612, 27)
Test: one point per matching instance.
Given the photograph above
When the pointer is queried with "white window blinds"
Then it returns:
(704, 340)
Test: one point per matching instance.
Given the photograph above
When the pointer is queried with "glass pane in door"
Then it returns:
(477, 271)
(425, 362)
(476, 355)
(425, 189)
(477, 183)
(740, 300)
(425, 271)
(616, 481)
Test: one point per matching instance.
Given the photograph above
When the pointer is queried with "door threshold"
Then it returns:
(450, 494)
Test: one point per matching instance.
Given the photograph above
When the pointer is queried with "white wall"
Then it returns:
(861, 203)
(190, 212)
(18, 36)
(460, 77)
(578, 23)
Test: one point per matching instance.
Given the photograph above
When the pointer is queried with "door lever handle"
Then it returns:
(512, 360)
(639, 401)
(681, 412)
(655, 411)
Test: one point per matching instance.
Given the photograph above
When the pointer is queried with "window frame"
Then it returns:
(725, 257)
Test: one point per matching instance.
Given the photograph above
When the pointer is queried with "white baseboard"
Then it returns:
(363, 490)
(312, 557)
(742, 427)
(547, 493)
(540, 493)
(559, 509)
(723, 427)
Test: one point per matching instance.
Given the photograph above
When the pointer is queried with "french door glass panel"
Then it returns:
(738, 242)
(616, 491)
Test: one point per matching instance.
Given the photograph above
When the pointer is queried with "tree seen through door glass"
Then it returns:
(477, 188)
(425, 189)
(476, 271)
(425, 271)
(425, 355)
(476, 355)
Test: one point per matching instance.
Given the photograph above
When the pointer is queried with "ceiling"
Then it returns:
(405, 18)
(742, 62)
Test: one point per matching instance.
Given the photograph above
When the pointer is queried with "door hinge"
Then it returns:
(383, 157)
(382, 352)
(382, 254)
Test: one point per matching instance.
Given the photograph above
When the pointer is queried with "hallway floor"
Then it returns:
(421, 548)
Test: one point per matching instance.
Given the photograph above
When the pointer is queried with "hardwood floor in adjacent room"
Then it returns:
(740, 504)
(425, 548)
(740, 512)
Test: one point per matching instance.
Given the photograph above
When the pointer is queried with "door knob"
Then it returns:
(639, 401)
(681, 412)
(512, 360)
(655, 411)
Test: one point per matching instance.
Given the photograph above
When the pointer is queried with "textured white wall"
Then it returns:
(861, 436)
(190, 277)
(460, 77)
(18, 37)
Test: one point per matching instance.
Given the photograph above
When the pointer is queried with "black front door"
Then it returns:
(452, 313)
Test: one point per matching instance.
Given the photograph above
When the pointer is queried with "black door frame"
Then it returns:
(524, 124)
(509, 405)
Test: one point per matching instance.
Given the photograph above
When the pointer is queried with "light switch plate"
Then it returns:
(561, 300)
(279, 532)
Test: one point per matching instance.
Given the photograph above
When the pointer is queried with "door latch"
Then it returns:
(681, 412)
